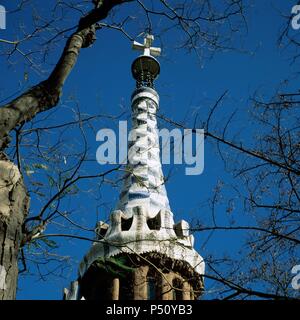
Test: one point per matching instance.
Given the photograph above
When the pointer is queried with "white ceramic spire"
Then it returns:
(144, 180)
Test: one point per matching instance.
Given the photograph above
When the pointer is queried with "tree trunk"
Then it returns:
(14, 202)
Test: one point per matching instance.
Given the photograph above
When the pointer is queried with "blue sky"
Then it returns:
(102, 83)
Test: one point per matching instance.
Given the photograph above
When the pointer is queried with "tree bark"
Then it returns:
(14, 202)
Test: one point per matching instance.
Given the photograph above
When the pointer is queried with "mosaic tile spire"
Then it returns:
(144, 180)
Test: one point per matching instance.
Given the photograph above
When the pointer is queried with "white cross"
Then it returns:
(146, 47)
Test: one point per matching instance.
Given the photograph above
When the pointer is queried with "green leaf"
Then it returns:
(40, 166)
(50, 243)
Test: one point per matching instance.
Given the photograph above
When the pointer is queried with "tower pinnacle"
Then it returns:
(146, 68)
(148, 50)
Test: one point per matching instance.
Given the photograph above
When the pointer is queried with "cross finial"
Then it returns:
(146, 47)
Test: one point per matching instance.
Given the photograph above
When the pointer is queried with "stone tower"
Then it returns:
(142, 254)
